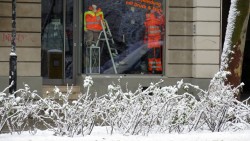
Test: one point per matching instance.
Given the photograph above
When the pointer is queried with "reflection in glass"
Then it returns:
(127, 35)
(57, 39)
(52, 39)
(69, 40)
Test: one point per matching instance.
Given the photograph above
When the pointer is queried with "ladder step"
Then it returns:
(104, 39)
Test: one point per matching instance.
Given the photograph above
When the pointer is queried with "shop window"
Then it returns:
(123, 36)
(57, 39)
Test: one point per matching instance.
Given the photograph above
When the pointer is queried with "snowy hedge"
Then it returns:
(156, 109)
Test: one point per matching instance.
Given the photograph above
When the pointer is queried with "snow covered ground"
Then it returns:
(99, 134)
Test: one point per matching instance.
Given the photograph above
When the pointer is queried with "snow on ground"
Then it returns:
(99, 134)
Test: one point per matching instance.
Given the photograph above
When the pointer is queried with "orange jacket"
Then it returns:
(92, 20)
(152, 24)
(153, 30)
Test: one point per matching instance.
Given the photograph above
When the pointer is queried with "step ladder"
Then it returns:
(105, 35)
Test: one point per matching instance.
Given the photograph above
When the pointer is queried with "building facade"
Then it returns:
(53, 46)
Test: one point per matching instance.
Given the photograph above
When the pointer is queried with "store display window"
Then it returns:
(123, 36)
(57, 39)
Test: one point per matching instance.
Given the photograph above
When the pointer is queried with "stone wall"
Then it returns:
(194, 38)
(28, 38)
(28, 43)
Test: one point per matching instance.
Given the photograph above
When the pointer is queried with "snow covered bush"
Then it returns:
(128, 112)
(219, 108)
(170, 109)
(25, 109)
(18, 111)
(154, 109)
(71, 117)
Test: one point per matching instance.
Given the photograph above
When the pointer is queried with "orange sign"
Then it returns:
(145, 4)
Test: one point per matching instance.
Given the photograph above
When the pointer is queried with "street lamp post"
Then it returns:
(13, 56)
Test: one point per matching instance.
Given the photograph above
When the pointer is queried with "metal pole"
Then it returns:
(64, 42)
(13, 56)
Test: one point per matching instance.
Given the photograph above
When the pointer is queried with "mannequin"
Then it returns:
(153, 38)
(53, 37)
(94, 7)
(92, 24)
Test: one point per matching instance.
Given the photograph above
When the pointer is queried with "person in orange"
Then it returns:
(153, 36)
(92, 23)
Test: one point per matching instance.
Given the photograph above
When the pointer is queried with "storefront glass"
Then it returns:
(57, 39)
(123, 36)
